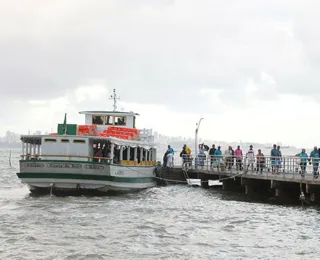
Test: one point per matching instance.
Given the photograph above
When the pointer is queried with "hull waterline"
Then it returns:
(84, 178)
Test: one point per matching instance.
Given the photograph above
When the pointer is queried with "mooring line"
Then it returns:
(179, 181)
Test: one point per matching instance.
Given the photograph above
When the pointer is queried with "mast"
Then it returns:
(115, 98)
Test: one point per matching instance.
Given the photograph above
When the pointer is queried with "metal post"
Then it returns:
(128, 153)
(141, 154)
(112, 153)
(135, 154)
(121, 152)
(23, 152)
(150, 155)
(196, 143)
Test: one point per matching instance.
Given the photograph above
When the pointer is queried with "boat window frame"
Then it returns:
(108, 119)
(78, 141)
(124, 118)
(50, 140)
(102, 118)
(63, 140)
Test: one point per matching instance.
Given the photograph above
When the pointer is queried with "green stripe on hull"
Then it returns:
(71, 176)
(86, 162)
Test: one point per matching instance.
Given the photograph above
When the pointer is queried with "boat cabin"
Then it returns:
(110, 118)
(107, 136)
(88, 149)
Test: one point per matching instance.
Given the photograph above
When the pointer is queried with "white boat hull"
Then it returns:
(84, 176)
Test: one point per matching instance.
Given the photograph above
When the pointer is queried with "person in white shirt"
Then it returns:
(250, 157)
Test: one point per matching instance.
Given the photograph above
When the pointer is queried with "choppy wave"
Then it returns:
(175, 222)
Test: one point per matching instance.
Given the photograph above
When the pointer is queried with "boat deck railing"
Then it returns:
(66, 158)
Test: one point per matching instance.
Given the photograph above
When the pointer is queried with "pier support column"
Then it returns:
(312, 197)
(277, 187)
(249, 185)
(204, 182)
(248, 189)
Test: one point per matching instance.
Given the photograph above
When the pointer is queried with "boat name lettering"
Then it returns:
(119, 173)
(64, 165)
(34, 165)
(94, 167)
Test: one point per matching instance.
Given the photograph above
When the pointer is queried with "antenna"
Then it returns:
(114, 97)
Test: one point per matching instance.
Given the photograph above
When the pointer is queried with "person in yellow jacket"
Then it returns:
(186, 154)
(188, 150)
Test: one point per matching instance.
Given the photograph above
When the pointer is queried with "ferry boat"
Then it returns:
(105, 154)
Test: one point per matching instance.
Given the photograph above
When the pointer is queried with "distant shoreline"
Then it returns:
(10, 145)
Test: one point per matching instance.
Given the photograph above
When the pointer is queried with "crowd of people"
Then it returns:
(228, 158)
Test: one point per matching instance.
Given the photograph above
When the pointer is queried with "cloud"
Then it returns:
(149, 49)
(214, 58)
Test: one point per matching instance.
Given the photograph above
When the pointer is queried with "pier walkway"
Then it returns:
(287, 179)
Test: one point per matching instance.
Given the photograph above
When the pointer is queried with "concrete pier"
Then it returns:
(286, 185)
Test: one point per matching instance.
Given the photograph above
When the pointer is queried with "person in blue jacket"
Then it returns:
(314, 158)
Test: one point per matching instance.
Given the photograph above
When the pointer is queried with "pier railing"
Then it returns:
(285, 165)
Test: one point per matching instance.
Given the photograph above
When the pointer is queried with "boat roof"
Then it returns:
(109, 113)
(36, 139)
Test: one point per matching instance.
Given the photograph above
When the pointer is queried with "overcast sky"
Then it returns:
(249, 67)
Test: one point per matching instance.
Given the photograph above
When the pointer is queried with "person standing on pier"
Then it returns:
(186, 155)
(238, 155)
(314, 156)
(260, 161)
(303, 161)
(170, 158)
(218, 157)
(165, 158)
(274, 159)
(211, 155)
(170, 150)
(228, 154)
(250, 158)
(201, 156)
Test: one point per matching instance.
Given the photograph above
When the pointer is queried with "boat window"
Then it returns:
(97, 120)
(120, 120)
(79, 141)
(49, 140)
(64, 140)
(109, 120)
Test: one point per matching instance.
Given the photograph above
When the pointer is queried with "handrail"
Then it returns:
(243, 157)
(288, 164)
